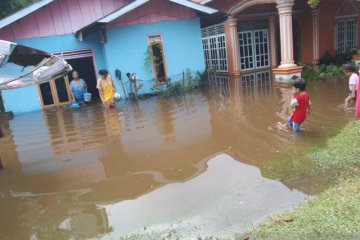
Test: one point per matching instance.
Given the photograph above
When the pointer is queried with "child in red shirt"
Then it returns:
(301, 102)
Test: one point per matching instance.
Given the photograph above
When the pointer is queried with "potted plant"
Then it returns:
(356, 57)
(313, 3)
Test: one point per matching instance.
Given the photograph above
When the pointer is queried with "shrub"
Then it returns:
(323, 72)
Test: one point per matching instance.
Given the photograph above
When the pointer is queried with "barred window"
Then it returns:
(214, 46)
(345, 35)
(254, 49)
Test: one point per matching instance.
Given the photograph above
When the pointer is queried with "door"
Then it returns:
(54, 93)
(215, 52)
(246, 50)
(254, 49)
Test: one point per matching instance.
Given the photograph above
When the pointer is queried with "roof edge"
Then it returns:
(195, 6)
(23, 12)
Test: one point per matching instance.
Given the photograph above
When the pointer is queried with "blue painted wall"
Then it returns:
(26, 99)
(127, 46)
(125, 49)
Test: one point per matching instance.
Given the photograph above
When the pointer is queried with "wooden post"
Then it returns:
(183, 80)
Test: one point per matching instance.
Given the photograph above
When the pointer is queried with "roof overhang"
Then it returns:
(137, 3)
(122, 11)
(195, 6)
(23, 12)
(205, 1)
(100, 24)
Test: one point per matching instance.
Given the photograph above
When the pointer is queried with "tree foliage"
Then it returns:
(8, 7)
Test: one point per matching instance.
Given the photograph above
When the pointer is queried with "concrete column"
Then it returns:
(287, 69)
(232, 45)
(272, 34)
(286, 33)
(316, 38)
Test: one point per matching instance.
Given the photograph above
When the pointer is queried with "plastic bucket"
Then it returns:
(87, 97)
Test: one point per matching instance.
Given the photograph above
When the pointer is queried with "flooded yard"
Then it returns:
(208, 163)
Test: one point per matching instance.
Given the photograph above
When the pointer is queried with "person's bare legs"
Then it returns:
(282, 126)
(348, 102)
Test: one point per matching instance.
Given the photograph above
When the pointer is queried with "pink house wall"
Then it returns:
(67, 16)
(154, 11)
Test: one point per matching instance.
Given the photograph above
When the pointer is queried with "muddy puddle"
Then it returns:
(209, 163)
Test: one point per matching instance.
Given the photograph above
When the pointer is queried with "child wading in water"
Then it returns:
(353, 84)
(301, 102)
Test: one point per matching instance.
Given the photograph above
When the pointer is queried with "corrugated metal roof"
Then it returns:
(23, 12)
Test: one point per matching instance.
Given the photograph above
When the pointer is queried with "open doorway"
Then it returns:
(85, 67)
(158, 58)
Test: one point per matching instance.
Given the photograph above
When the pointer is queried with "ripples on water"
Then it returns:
(210, 162)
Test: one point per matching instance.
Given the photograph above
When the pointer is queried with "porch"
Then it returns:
(278, 35)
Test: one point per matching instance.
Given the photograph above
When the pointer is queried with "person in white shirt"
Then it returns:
(353, 84)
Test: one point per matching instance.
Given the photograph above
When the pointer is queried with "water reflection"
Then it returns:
(220, 202)
(63, 165)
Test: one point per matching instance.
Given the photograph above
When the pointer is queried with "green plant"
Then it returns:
(339, 59)
(150, 59)
(313, 3)
(322, 72)
(189, 79)
(201, 77)
(10, 6)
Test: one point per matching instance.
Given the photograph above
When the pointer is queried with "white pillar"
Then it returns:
(232, 42)
(286, 33)
(316, 46)
(272, 33)
(287, 69)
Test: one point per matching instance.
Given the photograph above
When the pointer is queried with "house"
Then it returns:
(278, 35)
(112, 34)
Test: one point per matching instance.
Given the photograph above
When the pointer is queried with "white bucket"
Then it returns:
(87, 97)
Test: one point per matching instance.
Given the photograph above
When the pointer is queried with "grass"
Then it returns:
(334, 214)
(341, 152)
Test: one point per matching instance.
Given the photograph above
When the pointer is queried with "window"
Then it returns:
(214, 46)
(158, 58)
(345, 35)
(215, 52)
(54, 93)
(254, 49)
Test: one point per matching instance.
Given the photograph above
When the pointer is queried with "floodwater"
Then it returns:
(209, 163)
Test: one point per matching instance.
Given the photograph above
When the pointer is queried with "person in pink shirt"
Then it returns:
(357, 110)
(353, 84)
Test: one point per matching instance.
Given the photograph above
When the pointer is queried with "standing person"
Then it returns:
(77, 88)
(301, 102)
(357, 110)
(106, 88)
(353, 84)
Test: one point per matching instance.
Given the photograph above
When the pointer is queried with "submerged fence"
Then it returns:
(171, 85)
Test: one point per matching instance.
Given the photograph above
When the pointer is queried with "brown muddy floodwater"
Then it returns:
(209, 163)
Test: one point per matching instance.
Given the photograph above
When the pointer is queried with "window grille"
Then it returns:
(345, 35)
(214, 46)
(254, 49)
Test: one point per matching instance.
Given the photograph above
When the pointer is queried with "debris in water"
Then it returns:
(284, 220)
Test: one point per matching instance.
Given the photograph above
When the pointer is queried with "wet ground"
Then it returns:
(210, 163)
